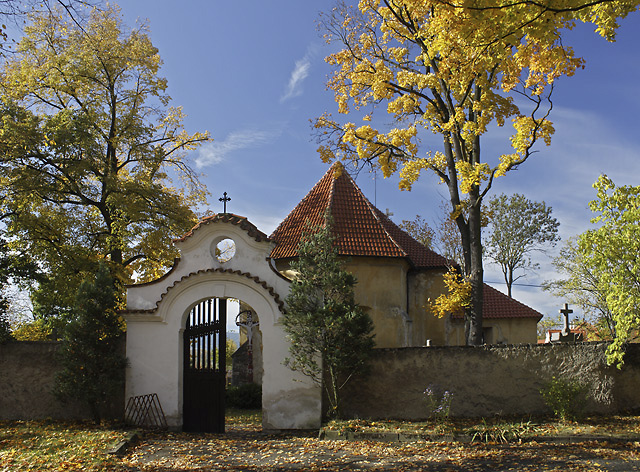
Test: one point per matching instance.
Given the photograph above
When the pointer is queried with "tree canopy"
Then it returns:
(92, 156)
(611, 252)
(453, 69)
(518, 227)
(580, 285)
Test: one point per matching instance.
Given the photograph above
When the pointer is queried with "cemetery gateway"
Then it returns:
(176, 323)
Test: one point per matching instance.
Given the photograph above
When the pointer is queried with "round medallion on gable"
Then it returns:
(223, 249)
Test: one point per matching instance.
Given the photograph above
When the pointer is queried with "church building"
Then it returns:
(396, 274)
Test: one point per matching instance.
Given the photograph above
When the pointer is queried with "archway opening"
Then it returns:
(222, 366)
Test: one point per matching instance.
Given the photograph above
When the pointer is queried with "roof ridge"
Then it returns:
(332, 190)
(237, 220)
(362, 229)
(304, 200)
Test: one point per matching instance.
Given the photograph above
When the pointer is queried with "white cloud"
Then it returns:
(298, 75)
(215, 152)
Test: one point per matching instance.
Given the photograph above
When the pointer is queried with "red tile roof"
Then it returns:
(361, 229)
(498, 305)
(237, 220)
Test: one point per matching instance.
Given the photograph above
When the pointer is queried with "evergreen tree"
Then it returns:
(91, 357)
(331, 336)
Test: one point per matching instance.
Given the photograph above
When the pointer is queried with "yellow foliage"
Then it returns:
(449, 67)
(456, 299)
(37, 330)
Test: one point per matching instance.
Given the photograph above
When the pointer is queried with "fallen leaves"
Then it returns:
(257, 451)
(42, 445)
(68, 447)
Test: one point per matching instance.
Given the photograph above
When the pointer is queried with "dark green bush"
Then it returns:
(246, 396)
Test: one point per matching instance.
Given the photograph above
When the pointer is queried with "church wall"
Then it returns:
(422, 286)
(499, 331)
(382, 291)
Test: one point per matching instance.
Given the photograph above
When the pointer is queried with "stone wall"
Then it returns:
(27, 375)
(491, 380)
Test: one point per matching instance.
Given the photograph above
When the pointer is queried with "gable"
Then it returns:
(360, 228)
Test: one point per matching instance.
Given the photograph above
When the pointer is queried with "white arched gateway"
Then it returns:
(224, 256)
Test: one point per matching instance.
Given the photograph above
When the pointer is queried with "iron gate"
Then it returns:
(204, 374)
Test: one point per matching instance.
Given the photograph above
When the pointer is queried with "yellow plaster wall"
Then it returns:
(423, 286)
(382, 291)
(503, 331)
(396, 299)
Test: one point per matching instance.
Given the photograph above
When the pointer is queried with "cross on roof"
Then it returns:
(224, 199)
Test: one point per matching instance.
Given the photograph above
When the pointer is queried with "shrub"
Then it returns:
(90, 355)
(566, 398)
(245, 397)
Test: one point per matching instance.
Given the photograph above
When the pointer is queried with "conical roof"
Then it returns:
(361, 229)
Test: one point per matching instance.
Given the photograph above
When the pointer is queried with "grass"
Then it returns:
(239, 417)
(499, 429)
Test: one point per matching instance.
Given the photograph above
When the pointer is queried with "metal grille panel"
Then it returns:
(205, 367)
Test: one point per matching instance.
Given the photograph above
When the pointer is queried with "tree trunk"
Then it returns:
(475, 274)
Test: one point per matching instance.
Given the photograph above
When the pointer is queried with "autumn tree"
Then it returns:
(16, 270)
(453, 69)
(610, 253)
(419, 230)
(330, 335)
(92, 156)
(518, 228)
(444, 238)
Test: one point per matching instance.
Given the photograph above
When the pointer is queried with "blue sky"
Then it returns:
(252, 73)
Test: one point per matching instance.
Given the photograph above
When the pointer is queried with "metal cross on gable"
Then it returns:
(224, 199)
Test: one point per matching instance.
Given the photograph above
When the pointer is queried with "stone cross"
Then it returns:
(224, 199)
(565, 312)
(247, 323)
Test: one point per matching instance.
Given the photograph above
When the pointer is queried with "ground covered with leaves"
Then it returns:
(44, 445)
(500, 429)
(51, 446)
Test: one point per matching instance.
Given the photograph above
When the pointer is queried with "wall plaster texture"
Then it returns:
(491, 380)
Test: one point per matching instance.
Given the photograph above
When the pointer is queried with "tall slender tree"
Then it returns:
(91, 354)
(518, 227)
